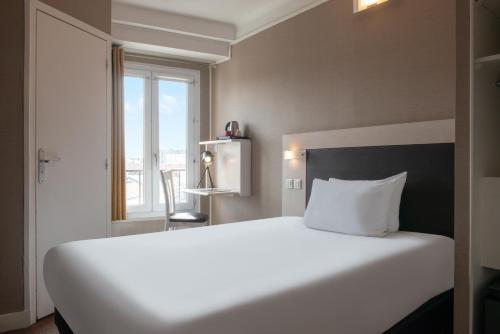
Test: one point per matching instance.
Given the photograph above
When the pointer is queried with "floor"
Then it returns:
(43, 326)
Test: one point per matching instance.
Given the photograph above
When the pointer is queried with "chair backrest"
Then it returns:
(169, 192)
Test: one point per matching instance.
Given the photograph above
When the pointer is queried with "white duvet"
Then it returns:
(258, 277)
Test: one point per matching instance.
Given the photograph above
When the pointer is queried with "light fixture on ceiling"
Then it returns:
(360, 5)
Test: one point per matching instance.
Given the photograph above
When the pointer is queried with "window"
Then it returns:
(161, 107)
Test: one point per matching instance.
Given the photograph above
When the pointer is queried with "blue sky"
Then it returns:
(172, 115)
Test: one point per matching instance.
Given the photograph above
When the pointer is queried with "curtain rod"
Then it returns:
(141, 56)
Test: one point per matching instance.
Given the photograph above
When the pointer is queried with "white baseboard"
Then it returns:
(120, 228)
(137, 226)
(11, 321)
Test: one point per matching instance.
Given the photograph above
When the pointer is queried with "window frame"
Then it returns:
(152, 75)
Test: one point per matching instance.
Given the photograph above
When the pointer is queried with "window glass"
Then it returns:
(173, 116)
(134, 112)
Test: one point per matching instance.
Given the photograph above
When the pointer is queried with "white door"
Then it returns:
(71, 129)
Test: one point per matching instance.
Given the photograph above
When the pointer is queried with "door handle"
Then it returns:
(42, 161)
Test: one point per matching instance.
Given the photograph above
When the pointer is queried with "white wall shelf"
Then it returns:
(222, 141)
(489, 219)
(489, 59)
(232, 167)
(211, 192)
(480, 211)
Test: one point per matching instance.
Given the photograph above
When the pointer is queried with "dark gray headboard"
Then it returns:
(427, 204)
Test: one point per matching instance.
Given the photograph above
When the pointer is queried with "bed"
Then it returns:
(266, 276)
(275, 275)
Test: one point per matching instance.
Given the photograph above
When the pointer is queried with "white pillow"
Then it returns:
(349, 207)
(399, 181)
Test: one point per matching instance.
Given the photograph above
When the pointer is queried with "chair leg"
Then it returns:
(168, 226)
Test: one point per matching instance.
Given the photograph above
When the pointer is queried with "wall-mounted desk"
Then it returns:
(232, 166)
(210, 192)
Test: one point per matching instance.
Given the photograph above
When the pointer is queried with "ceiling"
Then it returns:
(247, 16)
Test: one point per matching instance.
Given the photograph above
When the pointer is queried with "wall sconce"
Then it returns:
(360, 5)
(294, 155)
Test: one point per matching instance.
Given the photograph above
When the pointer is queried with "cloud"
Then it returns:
(134, 107)
(167, 104)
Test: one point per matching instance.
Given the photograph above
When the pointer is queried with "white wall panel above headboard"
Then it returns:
(429, 132)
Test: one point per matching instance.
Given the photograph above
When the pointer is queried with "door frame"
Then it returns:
(30, 184)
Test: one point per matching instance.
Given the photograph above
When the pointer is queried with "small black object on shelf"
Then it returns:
(231, 137)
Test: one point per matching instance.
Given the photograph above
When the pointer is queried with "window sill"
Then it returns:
(146, 218)
(147, 214)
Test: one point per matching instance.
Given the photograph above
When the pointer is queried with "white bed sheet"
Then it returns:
(257, 277)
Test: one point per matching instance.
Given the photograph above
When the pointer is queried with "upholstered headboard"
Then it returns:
(424, 149)
(427, 203)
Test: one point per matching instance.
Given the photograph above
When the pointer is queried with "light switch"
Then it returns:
(297, 184)
(289, 183)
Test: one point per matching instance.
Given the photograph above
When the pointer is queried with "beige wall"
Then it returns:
(11, 151)
(94, 12)
(330, 69)
(97, 13)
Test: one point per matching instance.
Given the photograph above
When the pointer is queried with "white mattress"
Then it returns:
(266, 276)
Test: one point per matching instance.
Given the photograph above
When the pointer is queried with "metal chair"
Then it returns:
(173, 219)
